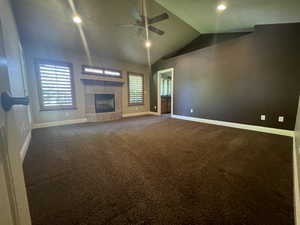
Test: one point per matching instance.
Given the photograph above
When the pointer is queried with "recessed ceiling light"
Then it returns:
(221, 7)
(77, 19)
(148, 44)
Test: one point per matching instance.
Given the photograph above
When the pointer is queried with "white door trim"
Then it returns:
(158, 89)
(296, 183)
(25, 146)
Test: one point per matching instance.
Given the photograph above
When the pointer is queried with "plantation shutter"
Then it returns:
(55, 85)
(136, 89)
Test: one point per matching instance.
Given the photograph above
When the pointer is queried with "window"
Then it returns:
(55, 81)
(91, 70)
(135, 89)
(113, 73)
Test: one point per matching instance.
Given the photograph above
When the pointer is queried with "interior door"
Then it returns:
(13, 199)
(6, 207)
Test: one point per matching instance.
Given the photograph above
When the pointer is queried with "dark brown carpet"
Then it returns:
(157, 170)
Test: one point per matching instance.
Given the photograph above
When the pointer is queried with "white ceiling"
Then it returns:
(49, 22)
(240, 14)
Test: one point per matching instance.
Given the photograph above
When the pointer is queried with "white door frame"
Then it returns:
(159, 73)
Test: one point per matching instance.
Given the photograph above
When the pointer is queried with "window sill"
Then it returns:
(58, 109)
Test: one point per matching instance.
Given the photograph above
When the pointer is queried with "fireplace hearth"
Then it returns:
(104, 103)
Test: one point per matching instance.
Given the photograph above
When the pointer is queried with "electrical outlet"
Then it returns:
(191, 110)
(262, 117)
(281, 119)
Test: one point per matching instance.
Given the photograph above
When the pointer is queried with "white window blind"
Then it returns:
(56, 85)
(136, 89)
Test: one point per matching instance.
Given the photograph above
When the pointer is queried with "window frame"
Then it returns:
(100, 68)
(143, 79)
(38, 77)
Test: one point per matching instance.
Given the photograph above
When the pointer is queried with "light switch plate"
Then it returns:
(281, 119)
(263, 117)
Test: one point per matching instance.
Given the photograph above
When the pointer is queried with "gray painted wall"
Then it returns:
(33, 51)
(241, 79)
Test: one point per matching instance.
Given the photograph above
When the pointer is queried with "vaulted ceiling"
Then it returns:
(50, 23)
(240, 14)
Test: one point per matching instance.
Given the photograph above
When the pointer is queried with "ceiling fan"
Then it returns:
(140, 21)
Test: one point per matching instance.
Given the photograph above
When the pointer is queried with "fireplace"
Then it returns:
(104, 103)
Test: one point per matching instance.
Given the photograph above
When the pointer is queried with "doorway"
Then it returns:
(165, 91)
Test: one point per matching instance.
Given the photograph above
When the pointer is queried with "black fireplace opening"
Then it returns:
(104, 103)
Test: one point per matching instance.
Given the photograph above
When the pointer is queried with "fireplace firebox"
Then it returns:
(104, 103)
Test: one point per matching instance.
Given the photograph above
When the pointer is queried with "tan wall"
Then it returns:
(33, 52)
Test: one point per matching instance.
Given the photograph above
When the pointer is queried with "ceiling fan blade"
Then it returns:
(159, 18)
(156, 30)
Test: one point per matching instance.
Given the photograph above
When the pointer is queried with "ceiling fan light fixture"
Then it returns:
(148, 44)
(221, 7)
(77, 19)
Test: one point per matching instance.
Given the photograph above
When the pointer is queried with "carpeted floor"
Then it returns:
(157, 170)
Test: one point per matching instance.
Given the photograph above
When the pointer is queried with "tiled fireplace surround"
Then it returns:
(102, 87)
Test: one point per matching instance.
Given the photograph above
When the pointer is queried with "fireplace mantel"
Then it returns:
(101, 80)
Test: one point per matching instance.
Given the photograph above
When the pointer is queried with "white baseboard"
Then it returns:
(137, 114)
(296, 183)
(155, 113)
(58, 123)
(25, 146)
(83, 120)
(238, 125)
